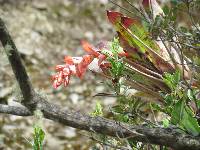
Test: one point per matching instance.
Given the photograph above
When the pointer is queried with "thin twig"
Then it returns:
(139, 11)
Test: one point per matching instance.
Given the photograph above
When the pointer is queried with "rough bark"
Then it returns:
(171, 137)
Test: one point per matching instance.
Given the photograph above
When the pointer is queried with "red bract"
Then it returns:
(112, 17)
(96, 52)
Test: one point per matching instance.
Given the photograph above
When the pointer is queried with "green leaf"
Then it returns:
(122, 117)
(190, 95)
(117, 65)
(177, 113)
(118, 109)
(157, 107)
(172, 80)
(165, 123)
(98, 110)
(166, 10)
(183, 116)
(189, 122)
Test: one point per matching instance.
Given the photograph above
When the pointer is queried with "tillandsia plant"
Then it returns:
(152, 55)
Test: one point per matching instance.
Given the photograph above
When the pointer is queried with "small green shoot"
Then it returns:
(39, 135)
(165, 123)
(117, 66)
(172, 80)
(98, 110)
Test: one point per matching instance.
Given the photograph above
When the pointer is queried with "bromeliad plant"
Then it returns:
(149, 54)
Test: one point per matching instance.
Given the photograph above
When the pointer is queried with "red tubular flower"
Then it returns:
(77, 66)
(62, 76)
(74, 66)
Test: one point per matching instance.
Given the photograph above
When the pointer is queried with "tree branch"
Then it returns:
(161, 136)
(16, 64)
(171, 137)
(19, 111)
